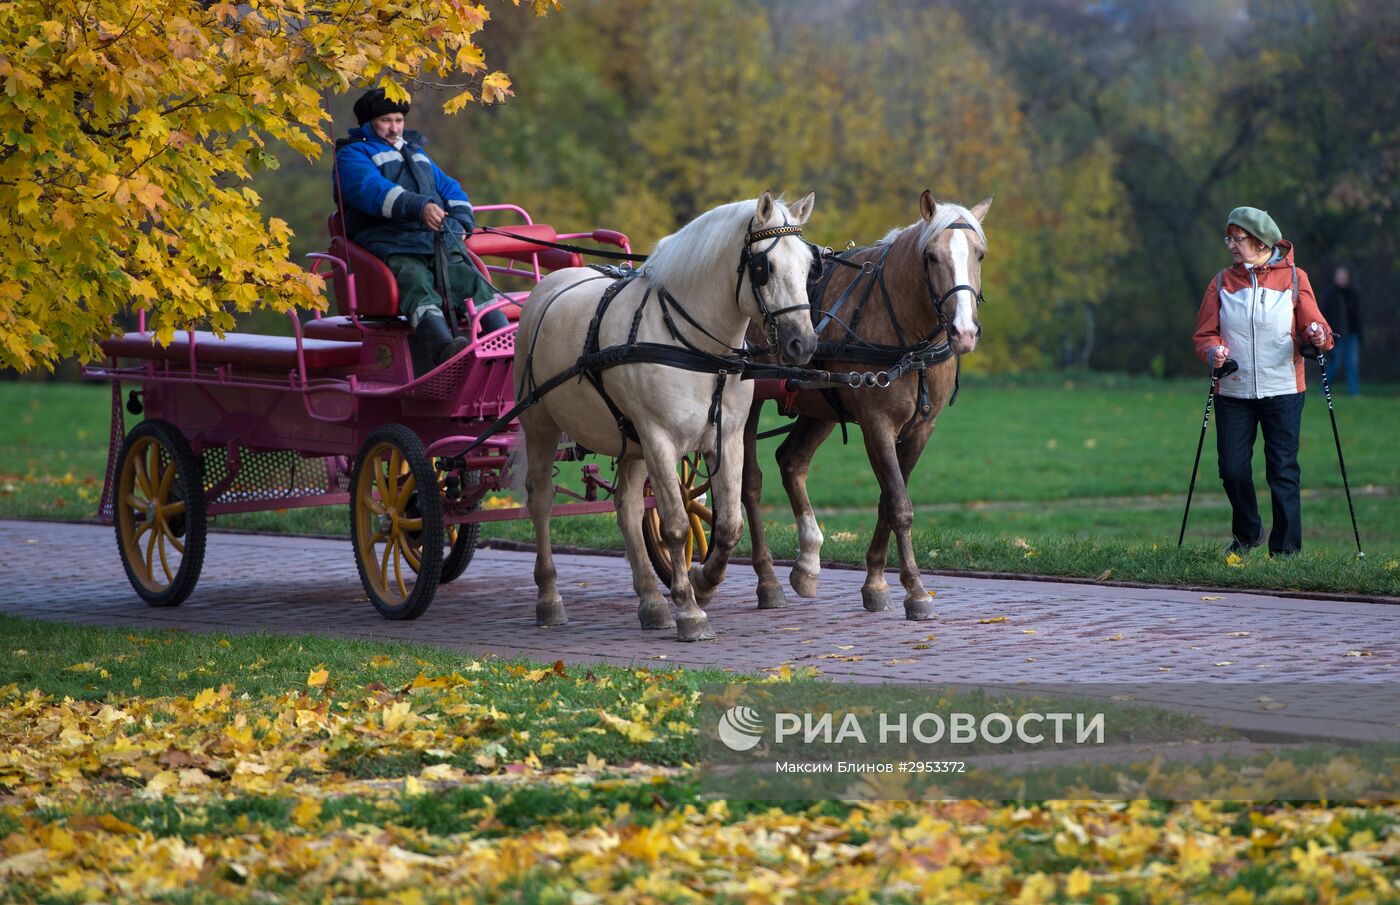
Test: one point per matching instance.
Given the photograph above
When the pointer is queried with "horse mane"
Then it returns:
(945, 215)
(684, 261)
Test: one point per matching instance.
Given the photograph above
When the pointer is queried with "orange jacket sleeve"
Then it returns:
(1208, 322)
(1306, 312)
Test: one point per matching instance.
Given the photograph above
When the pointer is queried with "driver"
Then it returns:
(397, 201)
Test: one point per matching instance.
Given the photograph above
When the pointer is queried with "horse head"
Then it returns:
(953, 246)
(774, 264)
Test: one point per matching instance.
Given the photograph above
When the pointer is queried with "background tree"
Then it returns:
(129, 130)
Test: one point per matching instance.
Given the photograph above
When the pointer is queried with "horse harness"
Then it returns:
(899, 359)
(594, 359)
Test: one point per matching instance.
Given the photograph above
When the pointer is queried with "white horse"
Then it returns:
(672, 410)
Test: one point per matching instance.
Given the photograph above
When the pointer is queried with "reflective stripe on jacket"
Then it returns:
(384, 191)
(1257, 315)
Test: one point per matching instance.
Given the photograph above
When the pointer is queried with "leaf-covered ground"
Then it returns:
(326, 770)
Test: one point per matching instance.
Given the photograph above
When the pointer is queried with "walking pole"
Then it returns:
(1229, 367)
(1311, 351)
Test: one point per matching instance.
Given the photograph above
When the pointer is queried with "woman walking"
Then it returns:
(1257, 311)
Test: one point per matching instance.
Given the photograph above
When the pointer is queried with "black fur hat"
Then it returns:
(373, 104)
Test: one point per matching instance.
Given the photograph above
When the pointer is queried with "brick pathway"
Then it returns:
(1053, 632)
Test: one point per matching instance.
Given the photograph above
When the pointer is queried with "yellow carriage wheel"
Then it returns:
(158, 508)
(396, 522)
(695, 492)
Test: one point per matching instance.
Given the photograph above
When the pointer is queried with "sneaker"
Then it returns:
(1240, 548)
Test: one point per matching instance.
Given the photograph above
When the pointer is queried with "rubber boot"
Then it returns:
(437, 340)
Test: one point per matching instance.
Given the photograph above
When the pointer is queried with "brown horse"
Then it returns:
(907, 305)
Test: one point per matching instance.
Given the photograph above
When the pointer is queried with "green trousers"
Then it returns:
(418, 293)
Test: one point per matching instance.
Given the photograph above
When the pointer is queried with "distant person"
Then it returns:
(1342, 308)
(396, 202)
(1257, 311)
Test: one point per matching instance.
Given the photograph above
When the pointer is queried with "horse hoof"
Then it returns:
(771, 596)
(656, 616)
(918, 609)
(804, 582)
(876, 600)
(694, 628)
(551, 613)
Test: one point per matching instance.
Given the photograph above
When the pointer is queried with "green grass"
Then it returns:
(1086, 475)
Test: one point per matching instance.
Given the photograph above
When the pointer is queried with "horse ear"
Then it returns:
(764, 210)
(927, 205)
(979, 210)
(803, 208)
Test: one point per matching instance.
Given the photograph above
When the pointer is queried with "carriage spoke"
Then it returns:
(134, 503)
(160, 546)
(702, 511)
(411, 554)
(382, 483)
(395, 470)
(150, 551)
(175, 542)
(143, 483)
(174, 510)
(143, 526)
(152, 468)
(411, 524)
(398, 571)
(697, 531)
(384, 563)
(379, 536)
(163, 490)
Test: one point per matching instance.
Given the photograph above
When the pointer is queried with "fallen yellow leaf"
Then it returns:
(317, 677)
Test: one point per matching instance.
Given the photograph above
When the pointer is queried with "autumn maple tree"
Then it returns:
(128, 130)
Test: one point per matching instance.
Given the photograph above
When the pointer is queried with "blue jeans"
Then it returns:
(1345, 358)
(1237, 423)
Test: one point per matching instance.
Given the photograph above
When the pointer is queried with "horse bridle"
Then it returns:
(940, 300)
(760, 270)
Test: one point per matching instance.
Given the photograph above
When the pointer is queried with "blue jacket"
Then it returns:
(385, 190)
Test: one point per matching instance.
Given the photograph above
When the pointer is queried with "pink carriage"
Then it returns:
(335, 413)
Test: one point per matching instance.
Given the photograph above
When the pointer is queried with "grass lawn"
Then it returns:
(139, 765)
(1078, 477)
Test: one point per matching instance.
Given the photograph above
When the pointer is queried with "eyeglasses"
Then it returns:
(1231, 241)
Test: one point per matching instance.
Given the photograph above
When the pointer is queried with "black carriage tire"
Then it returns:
(427, 573)
(463, 549)
(188, 528)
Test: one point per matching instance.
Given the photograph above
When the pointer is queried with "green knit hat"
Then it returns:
(1257, 223)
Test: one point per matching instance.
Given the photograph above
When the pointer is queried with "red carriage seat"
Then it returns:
(247, 349)
(376, 292)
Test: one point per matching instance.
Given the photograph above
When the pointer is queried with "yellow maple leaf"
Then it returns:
(317, 677)
(1079, 882)
(632, 731)
(306, 812)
